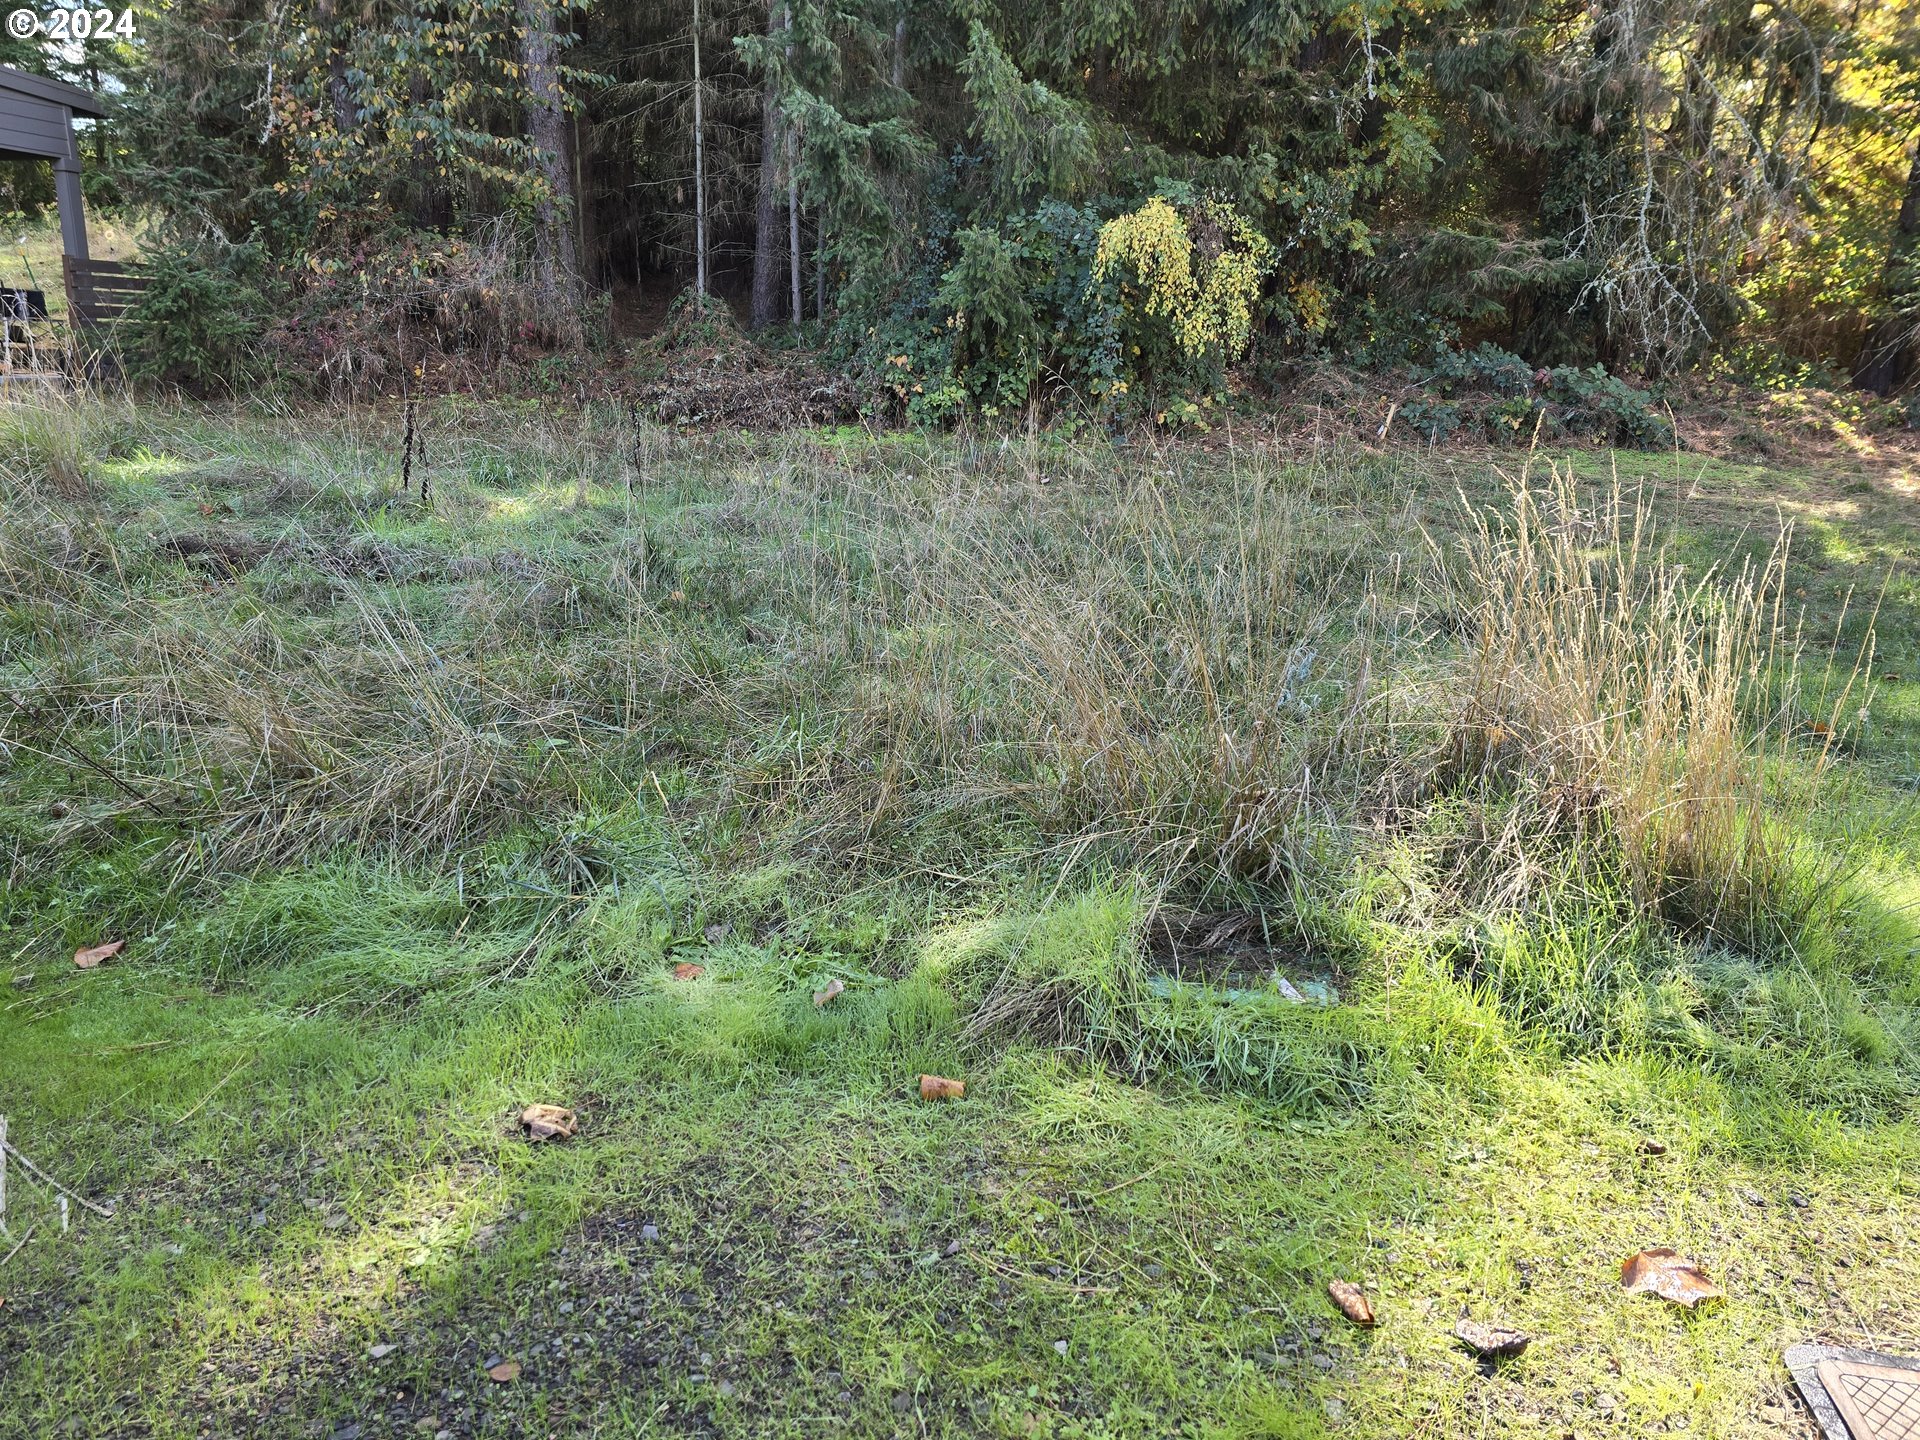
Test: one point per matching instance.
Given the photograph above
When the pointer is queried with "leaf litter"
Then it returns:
(88, 958)
(1352, 1301)
(1491, 1342)
(549, 1122)
(939, 1087)
(1670, 1275)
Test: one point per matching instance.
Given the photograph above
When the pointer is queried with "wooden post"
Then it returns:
(73, 228)
(66, 190)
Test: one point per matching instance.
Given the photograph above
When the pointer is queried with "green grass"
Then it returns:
(408, 811)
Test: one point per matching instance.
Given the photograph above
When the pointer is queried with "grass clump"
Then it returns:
(1635, 702)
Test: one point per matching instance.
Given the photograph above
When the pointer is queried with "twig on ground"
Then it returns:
(1134, 1181)
(34, 1170)
(1014, 1272)
(245, 1061)
(19, 1245)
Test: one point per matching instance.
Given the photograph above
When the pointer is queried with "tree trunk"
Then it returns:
(820, 268)
(765, 301)
(587, 246)
(798, 312)
(899, 76)
(547, 127)
(100, 159)
(699, 170)
(793, 223)
(338, 93)
(1888, 358)
(430, 205)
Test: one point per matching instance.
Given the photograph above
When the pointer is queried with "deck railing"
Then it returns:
(100, 291)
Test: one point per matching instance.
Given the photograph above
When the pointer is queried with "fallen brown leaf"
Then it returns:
(938, 1087)
(834, 987)
(505, 1373)
(1668, 1274)
(548, 1122)
(87, 959)
(1494, 1342)
(1352, 1301)
(688, 971)
(1653, 1147)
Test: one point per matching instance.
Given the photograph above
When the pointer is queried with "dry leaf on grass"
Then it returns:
(685, 970)
(1493, 1342)
(1668, 1274)
(1352, 1301)
(548, 1122)
(834, 987)
(87, 959)
(938, 1087)
(504, 1373)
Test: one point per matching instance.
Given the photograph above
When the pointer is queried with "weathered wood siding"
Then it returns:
(31, 126)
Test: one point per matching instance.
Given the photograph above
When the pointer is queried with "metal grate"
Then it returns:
(1858, 1394)
(1878, 1402)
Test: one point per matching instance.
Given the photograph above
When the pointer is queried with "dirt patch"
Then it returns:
(1229, 948)
(699, 1308)
(216, 554)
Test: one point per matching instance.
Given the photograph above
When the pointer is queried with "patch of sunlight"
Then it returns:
(957, 946)
(141, 467)
(1828, 510)
(317, 1280)
(532, 504)
(1894, 884)
(1837, 547)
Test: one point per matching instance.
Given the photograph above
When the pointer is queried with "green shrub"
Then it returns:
(1510, 399)
(1074, 310)
(198, 320)
(1606, 406)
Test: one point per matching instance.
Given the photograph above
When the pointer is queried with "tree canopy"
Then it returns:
(1003, 202)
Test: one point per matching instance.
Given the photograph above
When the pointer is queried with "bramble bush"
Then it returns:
(1508, 398)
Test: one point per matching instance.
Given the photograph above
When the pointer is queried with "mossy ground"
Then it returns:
(296, 1084)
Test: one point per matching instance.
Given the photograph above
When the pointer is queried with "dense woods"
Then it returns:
(987, 206)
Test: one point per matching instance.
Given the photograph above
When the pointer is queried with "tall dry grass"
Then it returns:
(1638, 705)
(1235, 673)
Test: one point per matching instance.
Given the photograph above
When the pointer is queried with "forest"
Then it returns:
(1095, 209)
